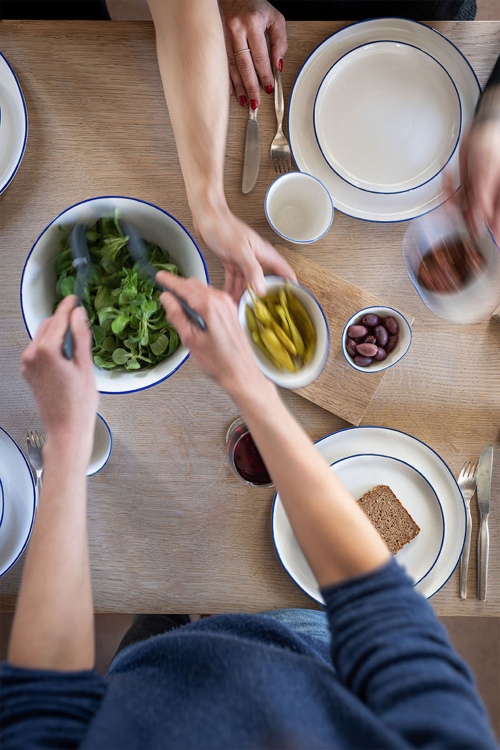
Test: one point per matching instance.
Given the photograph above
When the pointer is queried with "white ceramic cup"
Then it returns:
(299, 207)
(103, 445)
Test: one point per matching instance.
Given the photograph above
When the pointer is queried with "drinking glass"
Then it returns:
(456, 275)
(244, 457)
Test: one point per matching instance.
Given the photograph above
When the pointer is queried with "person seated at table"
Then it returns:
(249, 23)
(375, 671)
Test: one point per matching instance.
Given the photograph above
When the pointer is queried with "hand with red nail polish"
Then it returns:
(246, 24)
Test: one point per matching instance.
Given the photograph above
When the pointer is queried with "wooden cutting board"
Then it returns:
(340, 388)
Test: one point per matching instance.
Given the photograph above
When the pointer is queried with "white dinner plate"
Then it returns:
(19, 501)
(360, 441)
(13, 124)
(347, 198)
(387, 117)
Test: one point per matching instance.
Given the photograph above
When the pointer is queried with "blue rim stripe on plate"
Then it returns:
(325, 41)
(399, 432)
(2, 501)
(441, 169)
(25, 139)
(34, 503)
(114, 197)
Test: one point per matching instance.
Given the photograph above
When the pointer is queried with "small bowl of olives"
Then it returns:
(375, 338)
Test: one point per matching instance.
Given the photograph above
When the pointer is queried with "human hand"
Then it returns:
(64, 389)
(246, 255)
(222, 350)
(480, 174)
(245, 25)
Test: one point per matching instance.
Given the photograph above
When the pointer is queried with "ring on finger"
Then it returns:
(247, 49)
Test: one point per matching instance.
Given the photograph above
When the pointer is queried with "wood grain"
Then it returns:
(340, 388)
(171, 528)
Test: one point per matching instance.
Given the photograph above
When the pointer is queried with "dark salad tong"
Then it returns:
(139, 253)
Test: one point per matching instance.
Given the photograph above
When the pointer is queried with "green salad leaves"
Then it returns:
(128, 321)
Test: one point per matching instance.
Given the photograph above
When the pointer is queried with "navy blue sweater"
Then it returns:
(389, 680)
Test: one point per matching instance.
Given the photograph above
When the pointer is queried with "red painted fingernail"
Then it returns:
(254, 103)
(268, 89)
(280, 64)
(243, 101)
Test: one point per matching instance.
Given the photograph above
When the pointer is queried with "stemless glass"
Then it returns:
(457, 276)
(244, 457)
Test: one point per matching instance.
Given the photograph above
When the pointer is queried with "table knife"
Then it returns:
(252, 153)
(484, 476)
(81, 261)
(138, 251)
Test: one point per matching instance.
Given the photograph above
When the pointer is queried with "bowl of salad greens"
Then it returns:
(134, 345)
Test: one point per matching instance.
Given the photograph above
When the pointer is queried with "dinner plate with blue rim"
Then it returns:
(364, 457)
(346, 197)
(13, 124)
(400, 117)
(19, 498)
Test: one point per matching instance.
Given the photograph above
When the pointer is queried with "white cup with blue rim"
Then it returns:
(299, 208)
(102, 447)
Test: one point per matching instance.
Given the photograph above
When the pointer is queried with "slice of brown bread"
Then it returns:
(389, 516)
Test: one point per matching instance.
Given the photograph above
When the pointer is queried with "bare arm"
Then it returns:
(53, 624)
(335, 535)
(193, 68)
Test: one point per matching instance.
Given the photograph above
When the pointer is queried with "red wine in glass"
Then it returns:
(244, 457)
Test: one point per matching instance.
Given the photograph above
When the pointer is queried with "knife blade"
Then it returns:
(252, 153)
(81, 261)
(484, 477)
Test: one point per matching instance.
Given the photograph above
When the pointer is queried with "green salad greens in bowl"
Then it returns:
(134, 346)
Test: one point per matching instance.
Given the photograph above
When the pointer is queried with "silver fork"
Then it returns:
(281, 155)
(35, 442)
(467, 484)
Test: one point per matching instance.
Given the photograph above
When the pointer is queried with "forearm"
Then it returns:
(333, 532)
(489, 104)
(193, 68)
(53, 625)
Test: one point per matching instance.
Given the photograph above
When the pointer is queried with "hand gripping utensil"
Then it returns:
(252, 153)
(139, 253)
(81, 261)
(483, 492)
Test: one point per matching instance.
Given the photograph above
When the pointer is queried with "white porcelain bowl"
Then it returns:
(102, 447)
(38, 281)
(308, 372)
(299, 207)
(397, 353)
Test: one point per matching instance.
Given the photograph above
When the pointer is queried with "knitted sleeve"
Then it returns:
(390, 650)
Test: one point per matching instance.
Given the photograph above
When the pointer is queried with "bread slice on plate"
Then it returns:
(389, 516)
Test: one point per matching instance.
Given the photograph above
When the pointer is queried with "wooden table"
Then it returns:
(171, 529)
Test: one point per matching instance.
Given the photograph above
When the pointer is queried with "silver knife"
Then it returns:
(252, 153)
(484, 476)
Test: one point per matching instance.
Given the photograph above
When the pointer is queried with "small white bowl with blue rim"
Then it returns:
(399, 351)
(102, 446)
(299, 208)
(312, 369)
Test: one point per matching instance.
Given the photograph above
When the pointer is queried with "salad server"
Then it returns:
(81, 262)
(139, 252)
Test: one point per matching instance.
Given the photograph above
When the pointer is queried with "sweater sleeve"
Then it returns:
(390, 651)
(46, 709)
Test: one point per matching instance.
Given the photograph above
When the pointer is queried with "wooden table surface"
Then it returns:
(171, 529)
